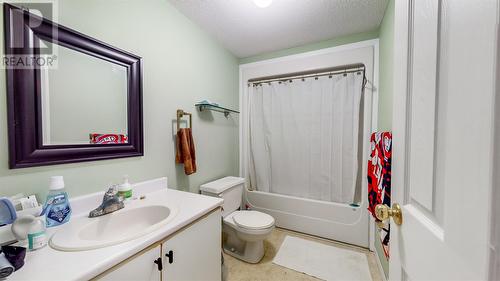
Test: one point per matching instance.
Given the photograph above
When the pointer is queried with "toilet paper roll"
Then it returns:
(6, 268)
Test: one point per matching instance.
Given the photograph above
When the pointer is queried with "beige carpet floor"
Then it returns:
(267, 270)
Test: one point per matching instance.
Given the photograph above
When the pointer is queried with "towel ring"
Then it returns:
(181, 113)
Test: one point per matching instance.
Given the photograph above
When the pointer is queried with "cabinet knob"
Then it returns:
(170, 256)
(159, 264)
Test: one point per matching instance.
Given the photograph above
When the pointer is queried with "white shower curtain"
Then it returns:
(304, 137)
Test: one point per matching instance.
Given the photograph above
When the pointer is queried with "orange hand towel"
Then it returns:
(185, 150)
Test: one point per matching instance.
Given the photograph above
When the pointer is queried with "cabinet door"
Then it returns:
(196, 251)
(142, 267)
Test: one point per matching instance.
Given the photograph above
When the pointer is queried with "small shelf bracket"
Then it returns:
(225, 111)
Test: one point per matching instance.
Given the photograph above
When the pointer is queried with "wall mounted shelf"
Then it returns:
(207, 106)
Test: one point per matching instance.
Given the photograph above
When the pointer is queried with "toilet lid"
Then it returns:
(253, 220)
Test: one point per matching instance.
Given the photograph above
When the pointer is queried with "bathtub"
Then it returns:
(330, 220)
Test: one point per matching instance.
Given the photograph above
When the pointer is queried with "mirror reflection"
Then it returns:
(83, 100)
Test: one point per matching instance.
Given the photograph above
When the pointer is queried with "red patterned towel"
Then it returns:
(379, 178)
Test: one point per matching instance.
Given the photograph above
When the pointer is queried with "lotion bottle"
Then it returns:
(125, 189)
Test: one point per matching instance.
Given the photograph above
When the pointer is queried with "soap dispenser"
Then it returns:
(125, 189)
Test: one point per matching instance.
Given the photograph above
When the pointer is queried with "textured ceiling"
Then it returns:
(247, 30)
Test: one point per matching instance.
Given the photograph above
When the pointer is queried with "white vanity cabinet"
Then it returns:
(140, 267)
(192, 253)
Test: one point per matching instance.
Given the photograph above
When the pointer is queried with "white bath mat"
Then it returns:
(322, 261)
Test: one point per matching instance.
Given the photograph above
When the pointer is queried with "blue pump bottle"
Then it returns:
(56, 209)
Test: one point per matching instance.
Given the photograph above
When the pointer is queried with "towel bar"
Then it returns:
(181, 113)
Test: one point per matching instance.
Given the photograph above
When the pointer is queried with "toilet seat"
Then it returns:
(252, 220)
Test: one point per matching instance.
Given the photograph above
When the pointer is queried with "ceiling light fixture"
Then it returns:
(263, 3)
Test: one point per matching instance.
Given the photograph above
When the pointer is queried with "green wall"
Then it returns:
(182, 64)
(314, 46)
(386, 58)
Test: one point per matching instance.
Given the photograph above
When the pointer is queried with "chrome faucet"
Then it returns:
(111, 202)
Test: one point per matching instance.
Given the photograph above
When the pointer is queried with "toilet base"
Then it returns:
(244, 244)
(251, 252)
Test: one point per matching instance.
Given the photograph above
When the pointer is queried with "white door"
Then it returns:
(444, 71)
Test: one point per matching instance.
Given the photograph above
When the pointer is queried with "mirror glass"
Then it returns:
(84, 100)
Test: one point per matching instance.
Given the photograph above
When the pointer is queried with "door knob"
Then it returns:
(383, 212)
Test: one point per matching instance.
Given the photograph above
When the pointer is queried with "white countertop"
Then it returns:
(50, 264)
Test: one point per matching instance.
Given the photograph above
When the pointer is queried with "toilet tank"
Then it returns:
(229, 188)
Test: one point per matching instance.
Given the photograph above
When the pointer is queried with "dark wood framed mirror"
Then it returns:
(95, 107)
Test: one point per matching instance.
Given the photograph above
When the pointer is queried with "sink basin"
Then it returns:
(124, 225)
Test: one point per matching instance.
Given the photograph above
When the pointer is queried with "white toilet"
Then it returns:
(245, 230)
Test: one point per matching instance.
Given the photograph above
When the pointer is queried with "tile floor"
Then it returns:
(267, 270)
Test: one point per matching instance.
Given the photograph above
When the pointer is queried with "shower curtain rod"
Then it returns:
(312, 73)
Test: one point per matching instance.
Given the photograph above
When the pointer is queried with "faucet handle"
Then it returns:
(110, 193)
(112, 189)
(113, 193)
